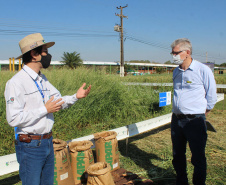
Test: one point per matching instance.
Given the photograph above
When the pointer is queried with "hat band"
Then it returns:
(34, 45)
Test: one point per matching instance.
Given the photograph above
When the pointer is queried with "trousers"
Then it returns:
(194, 132)
(36, 161)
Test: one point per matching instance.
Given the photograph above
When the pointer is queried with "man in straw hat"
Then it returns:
(31, 101)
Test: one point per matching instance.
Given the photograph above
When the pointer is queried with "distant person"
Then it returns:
(31, 101)
(194, 97)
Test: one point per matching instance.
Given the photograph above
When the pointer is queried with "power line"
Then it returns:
(169, 49)
(46, 26)
(82, 33)
(147, 43)
(19, 32)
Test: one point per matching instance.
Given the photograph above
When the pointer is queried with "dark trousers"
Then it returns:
(193, 131)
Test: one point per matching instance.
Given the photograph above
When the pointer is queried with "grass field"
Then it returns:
(150, 154)
(112, 104)
(109, 105)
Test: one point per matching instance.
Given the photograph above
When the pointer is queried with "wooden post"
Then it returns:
(9, 64)
(13, 64)
(19, 64)
(122, 47)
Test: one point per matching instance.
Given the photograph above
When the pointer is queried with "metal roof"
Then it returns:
(109, 63)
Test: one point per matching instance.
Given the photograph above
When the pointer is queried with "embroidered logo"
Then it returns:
(11, 100)
(34, 45)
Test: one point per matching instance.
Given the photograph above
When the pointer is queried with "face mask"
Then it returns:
(45, 60)
(177, 59)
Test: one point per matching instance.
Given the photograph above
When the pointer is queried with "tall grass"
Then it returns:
(110, 104)
(150, 154)
(153, 78)
(6, 132)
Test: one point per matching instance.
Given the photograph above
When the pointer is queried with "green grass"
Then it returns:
(112, 104)
(153, 78)
(150, 154)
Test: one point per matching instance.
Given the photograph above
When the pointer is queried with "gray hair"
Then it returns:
(183, 43)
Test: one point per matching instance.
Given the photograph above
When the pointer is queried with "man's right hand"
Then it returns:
(53, 106)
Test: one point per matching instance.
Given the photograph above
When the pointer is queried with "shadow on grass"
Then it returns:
(14, 179)
(143, 159)
(154, 107)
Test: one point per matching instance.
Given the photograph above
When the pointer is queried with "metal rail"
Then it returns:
(220, 86)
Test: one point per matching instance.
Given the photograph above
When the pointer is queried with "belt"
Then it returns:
(28, 137)
(183, 116)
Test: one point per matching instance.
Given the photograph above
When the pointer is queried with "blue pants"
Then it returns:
(193, 131)
(36, 161)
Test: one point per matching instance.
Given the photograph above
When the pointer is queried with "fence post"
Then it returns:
(127, 139)
(9, 64)
(13, 64)
(19, 64)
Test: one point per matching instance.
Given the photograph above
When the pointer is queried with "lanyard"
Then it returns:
(43, 97)
(39, 89)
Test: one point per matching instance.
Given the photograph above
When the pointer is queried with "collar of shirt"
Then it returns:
(32, 73)
(191, 67)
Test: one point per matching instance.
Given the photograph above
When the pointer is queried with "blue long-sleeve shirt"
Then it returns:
(194, 89)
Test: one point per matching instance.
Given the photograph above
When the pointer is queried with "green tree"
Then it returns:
(72, 60)
(168, 62)
(160, 70)
(223, 65)
(138, 61)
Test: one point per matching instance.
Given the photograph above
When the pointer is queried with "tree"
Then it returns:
(72, 60)
(168, 62)
(160, 70)
(138, 61)
(223, 65)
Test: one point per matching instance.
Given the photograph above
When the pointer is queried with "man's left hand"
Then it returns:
(82, 93)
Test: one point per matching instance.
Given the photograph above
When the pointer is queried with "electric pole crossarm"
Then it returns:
(122, 7)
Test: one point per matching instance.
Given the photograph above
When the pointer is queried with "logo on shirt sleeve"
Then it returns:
(11, 100)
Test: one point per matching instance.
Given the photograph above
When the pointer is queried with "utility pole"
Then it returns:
(206, 57)
(122, 49)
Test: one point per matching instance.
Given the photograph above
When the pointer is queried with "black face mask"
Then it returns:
(45, 60)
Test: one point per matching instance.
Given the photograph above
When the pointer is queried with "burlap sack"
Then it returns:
(99, 174)
(81, 158)
(62, 169)
(106, 145)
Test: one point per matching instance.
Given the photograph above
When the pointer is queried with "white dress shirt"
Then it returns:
(25, 107)
(194, 89)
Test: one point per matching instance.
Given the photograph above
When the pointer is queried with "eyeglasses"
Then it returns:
(176, 52)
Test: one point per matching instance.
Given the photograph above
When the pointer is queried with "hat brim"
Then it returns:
(48, 45)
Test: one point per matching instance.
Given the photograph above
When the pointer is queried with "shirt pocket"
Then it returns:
(33, 144)
(33, 99)
(192, 83)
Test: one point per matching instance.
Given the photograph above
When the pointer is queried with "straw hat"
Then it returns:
(31, 42)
